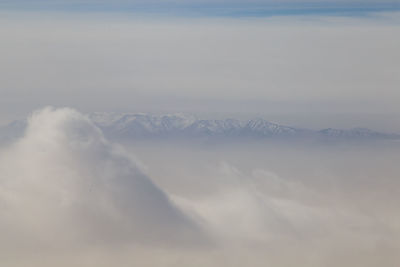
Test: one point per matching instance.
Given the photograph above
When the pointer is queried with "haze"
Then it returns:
(72, 194)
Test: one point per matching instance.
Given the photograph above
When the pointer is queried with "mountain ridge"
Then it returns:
(180, 125)
(131, 125)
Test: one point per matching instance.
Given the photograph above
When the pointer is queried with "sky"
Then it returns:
(216, 8)
(257, 57)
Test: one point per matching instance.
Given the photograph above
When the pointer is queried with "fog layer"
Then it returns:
(68, 197)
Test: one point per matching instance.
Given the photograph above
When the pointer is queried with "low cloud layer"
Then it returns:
(70, 197)
(287, 204)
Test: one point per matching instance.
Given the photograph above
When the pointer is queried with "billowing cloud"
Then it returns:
(63, 183)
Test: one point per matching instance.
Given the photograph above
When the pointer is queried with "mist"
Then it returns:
(69, 196)
(63, 186)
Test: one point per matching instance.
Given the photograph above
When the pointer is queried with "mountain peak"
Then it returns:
(181, 125)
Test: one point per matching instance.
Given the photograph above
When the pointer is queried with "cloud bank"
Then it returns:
(63, 184)
(286, 205)
(69, 197)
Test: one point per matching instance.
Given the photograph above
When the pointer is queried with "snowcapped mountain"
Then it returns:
(141, 124)
(183, 125)
(262, 127)
(145, 125)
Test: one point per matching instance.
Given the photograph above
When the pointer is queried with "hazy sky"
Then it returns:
(142, 59)
(207, 7)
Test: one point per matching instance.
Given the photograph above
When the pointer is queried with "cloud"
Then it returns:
(69, 197)
(264, 207)
(261, 217)
(64, 185)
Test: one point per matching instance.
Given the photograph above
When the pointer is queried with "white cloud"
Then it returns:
(63, 184)
(70, 197)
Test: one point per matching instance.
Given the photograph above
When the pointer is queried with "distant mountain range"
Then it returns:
(144, 125)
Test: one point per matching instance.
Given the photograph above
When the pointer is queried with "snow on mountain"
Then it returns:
(183, 125)
(262, 127)
(142, 124)
(145, 125)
